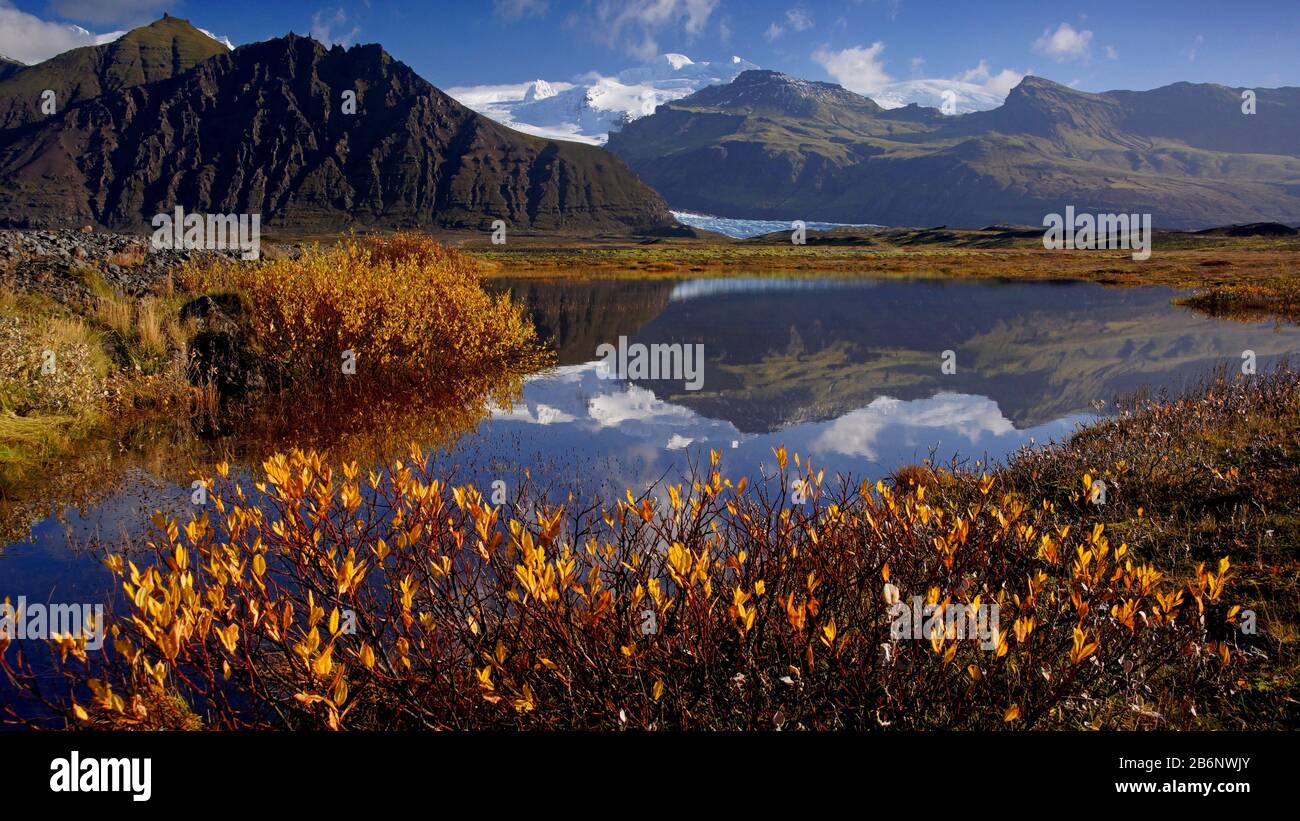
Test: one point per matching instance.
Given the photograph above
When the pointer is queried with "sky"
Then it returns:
(865, 45)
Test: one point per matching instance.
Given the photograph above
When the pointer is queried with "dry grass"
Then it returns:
(149, 326)
(116, 314)
(130, 257)
(52, 376)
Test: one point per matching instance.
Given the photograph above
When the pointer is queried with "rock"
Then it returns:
(219, 353)
(52, 262)
(223, 360)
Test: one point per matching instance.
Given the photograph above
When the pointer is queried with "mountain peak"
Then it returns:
(164, 29)
(1031, 86)
(164, 48)
(763, 89)
(1030, 81)
(539, 90)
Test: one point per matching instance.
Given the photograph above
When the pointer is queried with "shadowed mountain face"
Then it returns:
(155, 52)
(772, 146)
(577, 320)
(264, 130)
(9, 68)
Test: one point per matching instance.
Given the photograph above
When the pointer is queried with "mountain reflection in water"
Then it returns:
(846, 372)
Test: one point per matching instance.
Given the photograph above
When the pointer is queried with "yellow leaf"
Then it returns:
(828, 633)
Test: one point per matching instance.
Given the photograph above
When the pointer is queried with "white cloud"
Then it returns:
(999, 84)
(1196, 47)
(858, 68)
(773, 32)
(537, 413)
(109, 11)
(946, 414)
(29, 39)
(635, 24)
(976, 89)
(1111, 53)
(862, 69)
(512, 10)
(1065, 44)
(324, 24)
(634, 404)
(799, 19)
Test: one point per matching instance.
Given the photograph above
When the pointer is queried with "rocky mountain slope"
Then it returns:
(264, 129)
(155, 52)
(773, 146)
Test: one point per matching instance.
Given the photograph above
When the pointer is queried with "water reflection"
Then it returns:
(572, 416)
(787, 352)
(845, 371)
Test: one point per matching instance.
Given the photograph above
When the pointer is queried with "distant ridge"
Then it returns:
(773, 146)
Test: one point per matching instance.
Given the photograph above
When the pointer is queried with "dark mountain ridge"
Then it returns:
(263, 130)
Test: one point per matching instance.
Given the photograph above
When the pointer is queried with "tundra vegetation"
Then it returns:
(314, 595)
(408, 313)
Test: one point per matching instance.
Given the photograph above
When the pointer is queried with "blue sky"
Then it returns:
(1095, 46)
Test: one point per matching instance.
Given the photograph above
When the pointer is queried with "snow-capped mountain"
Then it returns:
(966, 97)
(593, 105)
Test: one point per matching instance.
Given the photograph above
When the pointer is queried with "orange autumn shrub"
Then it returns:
(395, 310)
(317, 597)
